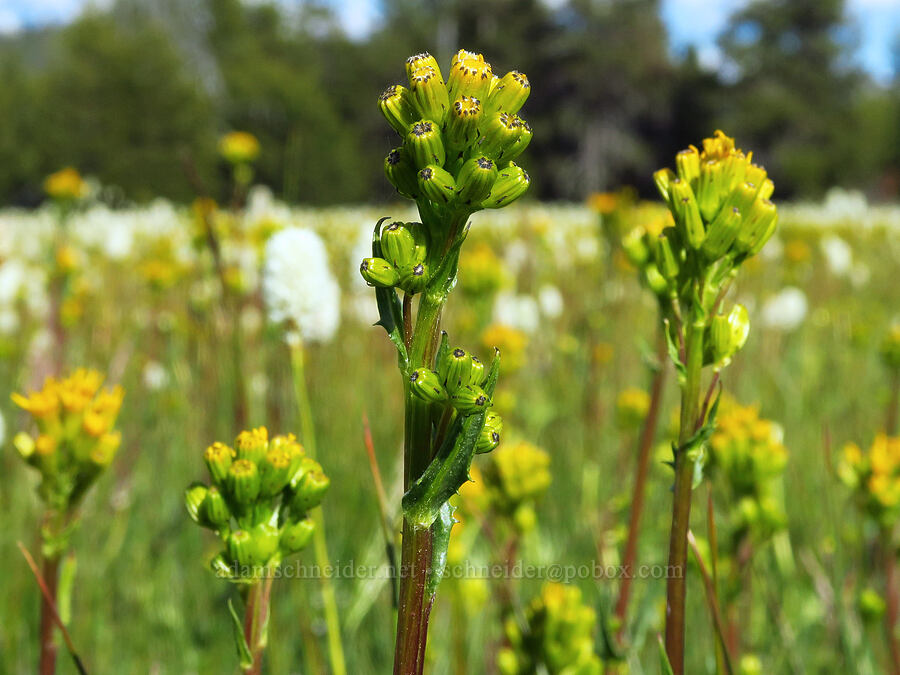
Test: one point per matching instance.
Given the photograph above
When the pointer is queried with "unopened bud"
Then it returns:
(401, 172)
(710, 188)
(193, 501)
(758, 226)
(509, 93)
(379, 272)
(274, 472)
(656, 282)
(729, 334)
(252, 445)
(721, 233)
(687, 213)
(396, 106)
(465, 55)
(688, 164)
(243, 481)
(490, 435)
(458, 369)
(500, 133)
(463, 121)
(214, 508)
(414, 278)
(423, 60)
(665, 258)
(511, 184)
(475, 180)
(429, 94)
(470, 399)
(403, 244)
(522, 143)
(426, 384)
(218, 458)
(310, 490)
(470, 77)
(296, 536)
(663, 179)
(240, 548)
(424, 144)
(437, 184)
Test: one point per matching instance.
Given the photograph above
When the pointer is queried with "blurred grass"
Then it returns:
(144, 602)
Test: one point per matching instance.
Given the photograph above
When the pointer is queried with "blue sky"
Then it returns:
(690, 22)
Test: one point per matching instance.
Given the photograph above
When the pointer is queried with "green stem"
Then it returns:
(320, 541)
(676, 586)
(890, 424)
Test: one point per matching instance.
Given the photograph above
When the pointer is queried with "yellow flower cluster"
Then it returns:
(239, 147)
(875, 475)
(65, 185)
(511, 342)
(514, 476)
(481, 272)
(632, 405)
(75, 441)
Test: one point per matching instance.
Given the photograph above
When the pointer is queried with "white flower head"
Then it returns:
(551, 301)
(298, 286)
(838, 255)
(517, 311)
(786, 310)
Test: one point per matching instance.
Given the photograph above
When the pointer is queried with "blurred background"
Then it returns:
(125, 90)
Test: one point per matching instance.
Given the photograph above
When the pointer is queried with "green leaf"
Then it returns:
(243, 649)
(674, 354)
(440, 541)
(665, 666)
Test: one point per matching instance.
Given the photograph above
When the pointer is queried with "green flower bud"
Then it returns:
(221, 568)
(490, 435)
(753, 173)
(721, 233)
(379, 272)
(758, 225)
(475, 180)
(218, 458)
(310, 490)
(296, 536)
(469, 399)
(766, 190)
(424, 144)
(635, 247)
(465, 55)
(688, 164)
(274, 472)
(663, 179)
(214, 508)
(429, 94)
(414, 278)
(509, 93)
(500, 133)
(252, 445)
(525, 136)
(243, 481)
(396, 106)
(871, 605)
(265, 539)
(458, 369)
(403, 244)
(710, 188)
(687, 213)
(437, 184)
(193, 501)
(729, 334)
(665, 258)
(511, 184)
(463, 121)
(240, 548)
(470, 77)
(426, 384)
(423, 60)
(401, 172)
(656, 282)
(743, 196)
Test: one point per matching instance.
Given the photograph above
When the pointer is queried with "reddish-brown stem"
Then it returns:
(648, 433)
(50, 574)
(256, 614)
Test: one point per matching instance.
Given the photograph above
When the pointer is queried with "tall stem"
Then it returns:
(892, 595)
(676, 585)
(320, 541)
(50, 574)
(648, 433)
(416, 551)
(256, 615)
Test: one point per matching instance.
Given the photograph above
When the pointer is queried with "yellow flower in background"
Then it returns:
(511, 342)
(239, 147)
(515, 475)
(603, 202)
(603, 353)
(797, 251)
(65, 185)
(631, 408)
(481, 272)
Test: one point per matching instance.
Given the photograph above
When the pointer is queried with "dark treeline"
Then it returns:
(133, 94)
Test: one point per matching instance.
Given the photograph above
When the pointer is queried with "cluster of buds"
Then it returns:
(557, 636)
(458, 385)
(459, 135)
(258, 502)
(404, 261)
(875, 477)
(75, 439)
(747, 454)
(514, 478)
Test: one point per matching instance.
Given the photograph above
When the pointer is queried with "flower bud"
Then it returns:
(500, 131)
(429, 94)
(423, 60)
(635, 247)
(401, 172)
(310, 490)
(274, 472)
(265, 538)
(490, 435)
(218, 458)
(687, 213)
(424, 144)
(403, 244)
(243, 481)
(729, 334)
(296, 536)
(665, 258)
(414, 278)
(396, 106)
(766, 190)
(656, 282)
(465, 55)
(240, 548)
(511, 184)
(509, 93)
(709, 188)
(214, 509)
(742, 196)
(470, 77)
(663, 179)
(252, 445)
(521, 144)
(721, 233)
(193, 500)
(426, 384)
(688, 164)
(469, 399)
(758, 225)
(437, 184)
(463, 121)
(475, 180)
(755, 174)
(458, 369)
(379, 272)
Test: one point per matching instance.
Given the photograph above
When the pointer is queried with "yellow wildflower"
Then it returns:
(239, 147)
(65, 185)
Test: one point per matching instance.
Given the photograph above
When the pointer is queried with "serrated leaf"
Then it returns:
(243, 649)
